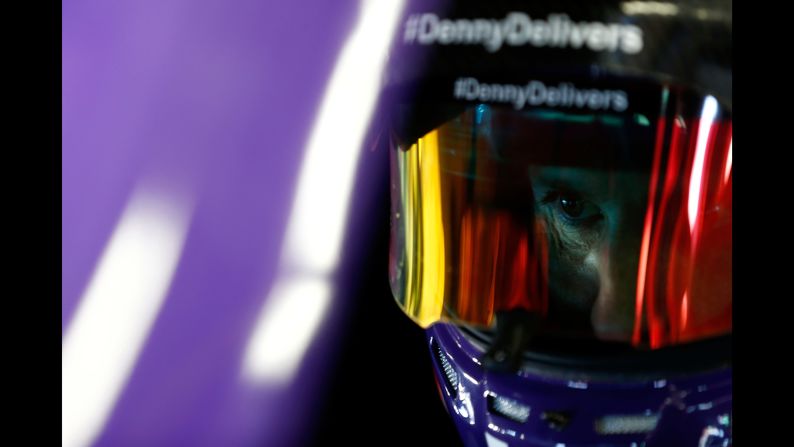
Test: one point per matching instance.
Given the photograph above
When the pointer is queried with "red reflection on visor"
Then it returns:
(503, 265)
(687, 276)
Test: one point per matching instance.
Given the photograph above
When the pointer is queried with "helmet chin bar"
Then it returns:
(514, 329)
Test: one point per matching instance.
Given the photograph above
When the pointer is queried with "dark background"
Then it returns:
(381, 388)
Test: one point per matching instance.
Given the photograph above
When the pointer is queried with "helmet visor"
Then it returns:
(609, 225)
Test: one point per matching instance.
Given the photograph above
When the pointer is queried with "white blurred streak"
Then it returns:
(649, 8)
(117, 310)
(493, 441)
(298, 302)
(318, 216)
(286, 327)
(695, 182)
(728, 163)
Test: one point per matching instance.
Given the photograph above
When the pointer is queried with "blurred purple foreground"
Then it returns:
(185, 125)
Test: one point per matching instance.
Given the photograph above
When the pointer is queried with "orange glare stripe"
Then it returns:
(465, 301)
(641, 272)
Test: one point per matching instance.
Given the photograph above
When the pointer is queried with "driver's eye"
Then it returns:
(572, 206)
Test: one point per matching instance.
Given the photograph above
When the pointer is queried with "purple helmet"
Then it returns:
(562, 216)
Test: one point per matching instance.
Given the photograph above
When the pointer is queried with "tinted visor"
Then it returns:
(613, 226)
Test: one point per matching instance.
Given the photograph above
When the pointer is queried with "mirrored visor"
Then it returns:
(609, 226)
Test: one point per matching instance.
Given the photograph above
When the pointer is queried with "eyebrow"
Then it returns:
(557, 178)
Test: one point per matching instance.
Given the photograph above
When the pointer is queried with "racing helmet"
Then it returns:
(561, 218)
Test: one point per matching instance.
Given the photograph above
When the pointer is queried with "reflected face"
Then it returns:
(594, 223)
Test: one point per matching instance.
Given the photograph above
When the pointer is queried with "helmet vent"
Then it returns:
(451, 379)
(626, 424)
(508, 408)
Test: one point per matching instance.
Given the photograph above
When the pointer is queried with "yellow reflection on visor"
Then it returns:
(424, 246)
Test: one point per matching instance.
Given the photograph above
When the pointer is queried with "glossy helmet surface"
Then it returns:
(562, 216)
